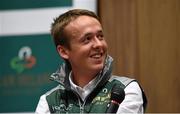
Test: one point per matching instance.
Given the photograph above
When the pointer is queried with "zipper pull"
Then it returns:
(81, 109)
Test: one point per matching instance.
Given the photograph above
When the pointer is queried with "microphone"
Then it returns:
(117, 96)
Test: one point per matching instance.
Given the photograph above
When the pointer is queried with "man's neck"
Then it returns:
(82, 80)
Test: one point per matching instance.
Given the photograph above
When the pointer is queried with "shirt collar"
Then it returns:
(86, 90)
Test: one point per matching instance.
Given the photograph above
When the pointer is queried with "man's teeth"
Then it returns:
(97, 55)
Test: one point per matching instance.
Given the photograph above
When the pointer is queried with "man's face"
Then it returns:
(88, 48)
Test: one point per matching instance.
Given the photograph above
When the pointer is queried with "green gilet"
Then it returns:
(63, 101)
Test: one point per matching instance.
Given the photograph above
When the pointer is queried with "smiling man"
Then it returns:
(86, 80)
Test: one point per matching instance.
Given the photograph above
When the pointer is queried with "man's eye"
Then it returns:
(100, 36)
(87, 39)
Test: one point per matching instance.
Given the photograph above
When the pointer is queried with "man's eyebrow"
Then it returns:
(87, 34)
(100, 31)
(90, 33)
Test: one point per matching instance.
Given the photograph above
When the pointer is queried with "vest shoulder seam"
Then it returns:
(54, 89)
(124, 80)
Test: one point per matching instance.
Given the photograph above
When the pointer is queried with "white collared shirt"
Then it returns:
(86, 90)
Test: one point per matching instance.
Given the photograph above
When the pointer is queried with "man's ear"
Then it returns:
(63, 51)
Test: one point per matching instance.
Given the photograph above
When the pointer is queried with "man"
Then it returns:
(85, 80)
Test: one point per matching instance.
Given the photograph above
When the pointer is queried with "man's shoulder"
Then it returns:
(131, 83)
(54, 90)
(123, 79)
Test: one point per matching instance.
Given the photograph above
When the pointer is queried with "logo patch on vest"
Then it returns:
(102, 98)
(62, 108)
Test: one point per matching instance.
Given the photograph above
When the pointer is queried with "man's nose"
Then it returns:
(97, 42)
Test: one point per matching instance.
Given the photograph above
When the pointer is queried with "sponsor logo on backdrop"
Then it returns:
(24, 60)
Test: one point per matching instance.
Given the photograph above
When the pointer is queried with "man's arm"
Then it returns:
(42, 107)
(133, 102)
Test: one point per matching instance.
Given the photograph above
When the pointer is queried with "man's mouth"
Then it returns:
(96, 55)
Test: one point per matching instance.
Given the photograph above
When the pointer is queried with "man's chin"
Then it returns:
(98, 67)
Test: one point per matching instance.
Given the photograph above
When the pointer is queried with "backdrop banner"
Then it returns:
(26, 64)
